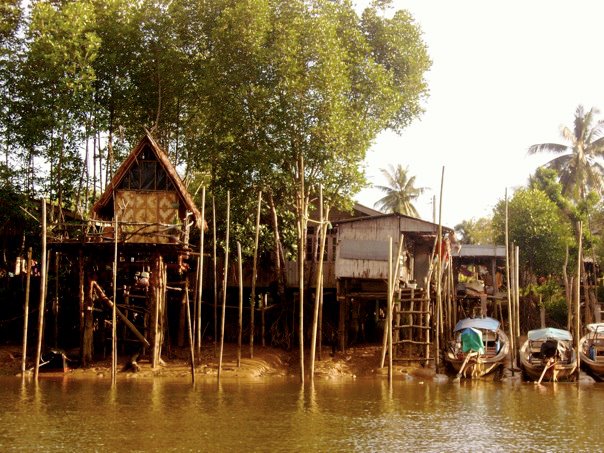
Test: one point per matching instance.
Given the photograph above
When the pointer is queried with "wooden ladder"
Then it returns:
(411, 326)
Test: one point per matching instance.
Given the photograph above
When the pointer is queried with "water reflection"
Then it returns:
(282, 415)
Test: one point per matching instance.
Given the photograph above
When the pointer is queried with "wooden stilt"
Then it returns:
(240, 317)
(578, 296)
(389, 302)
(42, 307)
(509, 288)
(263, 327)
(318, 285)
(190, 330)
(214, 257)
(517, 282)
(224, 283)
(254, 276)
(26, 313)
(114, 310)
(200, 273)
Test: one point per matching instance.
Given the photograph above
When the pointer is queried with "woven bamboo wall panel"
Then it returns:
(158, 207)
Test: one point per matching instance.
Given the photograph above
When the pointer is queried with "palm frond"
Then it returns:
(548, 148)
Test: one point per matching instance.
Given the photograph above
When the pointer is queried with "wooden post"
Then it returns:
(215, 273)
(389, 302)
(513, 286)
(114, 310)
(26, 313)
(390, 297)
(200, 274)
(224, 283)
(578, 296)
(254, 276)
(517, 282)
(439, 275)
(318, 285)
(82, 299)
(240, 317)
(42, 294)
(190, 330)
(262, 331)
(55, 303)
(509, 288)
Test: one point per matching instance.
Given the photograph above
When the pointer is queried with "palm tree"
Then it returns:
(577, 164)
(400, 191)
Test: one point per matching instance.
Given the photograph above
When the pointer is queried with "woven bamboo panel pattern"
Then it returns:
(150, 208)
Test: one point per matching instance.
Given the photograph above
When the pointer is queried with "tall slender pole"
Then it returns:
(114, 312)
(439, 307)
(509, 288)
(224, 282)
(389, 302)
(517, 282)
(578, 294)
(240, 317)
(190, 330)
(26, 313)
(318, 286)
(254, 276)
(200, 276)
(42, 294)
(214, 257)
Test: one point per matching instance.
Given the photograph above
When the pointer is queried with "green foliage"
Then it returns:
(479, 231)
(538, 228)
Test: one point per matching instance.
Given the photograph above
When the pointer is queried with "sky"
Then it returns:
(505, 75)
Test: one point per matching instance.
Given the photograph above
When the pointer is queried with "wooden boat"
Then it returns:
(478, 347)
(591, 350)
(548, 353)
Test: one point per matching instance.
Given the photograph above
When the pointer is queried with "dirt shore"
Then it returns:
(356, 362)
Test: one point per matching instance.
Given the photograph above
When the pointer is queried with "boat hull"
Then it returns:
(533, 366)
(592, 363)
(479, 366)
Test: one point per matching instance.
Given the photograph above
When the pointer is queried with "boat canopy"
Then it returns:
(549, 333)
(597, 326)
(477, 323)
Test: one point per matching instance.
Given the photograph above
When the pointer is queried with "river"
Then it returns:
(277, 414)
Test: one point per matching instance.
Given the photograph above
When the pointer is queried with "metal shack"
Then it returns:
(361, 270)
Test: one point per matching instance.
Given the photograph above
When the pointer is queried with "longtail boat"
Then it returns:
(548, 353)
(591, 350)
(479, 347)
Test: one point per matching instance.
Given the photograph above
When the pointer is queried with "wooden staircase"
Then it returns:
(412, 326)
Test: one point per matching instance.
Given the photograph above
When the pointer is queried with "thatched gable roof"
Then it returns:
(104, 205)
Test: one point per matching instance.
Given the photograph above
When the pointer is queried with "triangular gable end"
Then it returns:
(147, 168)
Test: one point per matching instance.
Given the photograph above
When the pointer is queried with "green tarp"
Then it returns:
(471, 341)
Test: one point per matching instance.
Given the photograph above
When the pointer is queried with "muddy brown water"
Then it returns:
(279, 415)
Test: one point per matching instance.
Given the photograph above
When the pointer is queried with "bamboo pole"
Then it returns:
(517, 282)
(389, 322)
(439, 274)
(190, 330)
(318, 286)
(114, 311)
(262, 330)
(26, 313)
(254, 276)
(513, 285)
(389, 297)
(224, 283)
(509, 289)
(215, 272)
(55, 303)
(240, 317)
(200, 274)
(578, 295)
(42, 294)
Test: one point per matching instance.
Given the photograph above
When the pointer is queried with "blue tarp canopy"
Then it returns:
(477, 323)
(549, 333)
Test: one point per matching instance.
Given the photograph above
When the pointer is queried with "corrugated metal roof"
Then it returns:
(474, 250)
